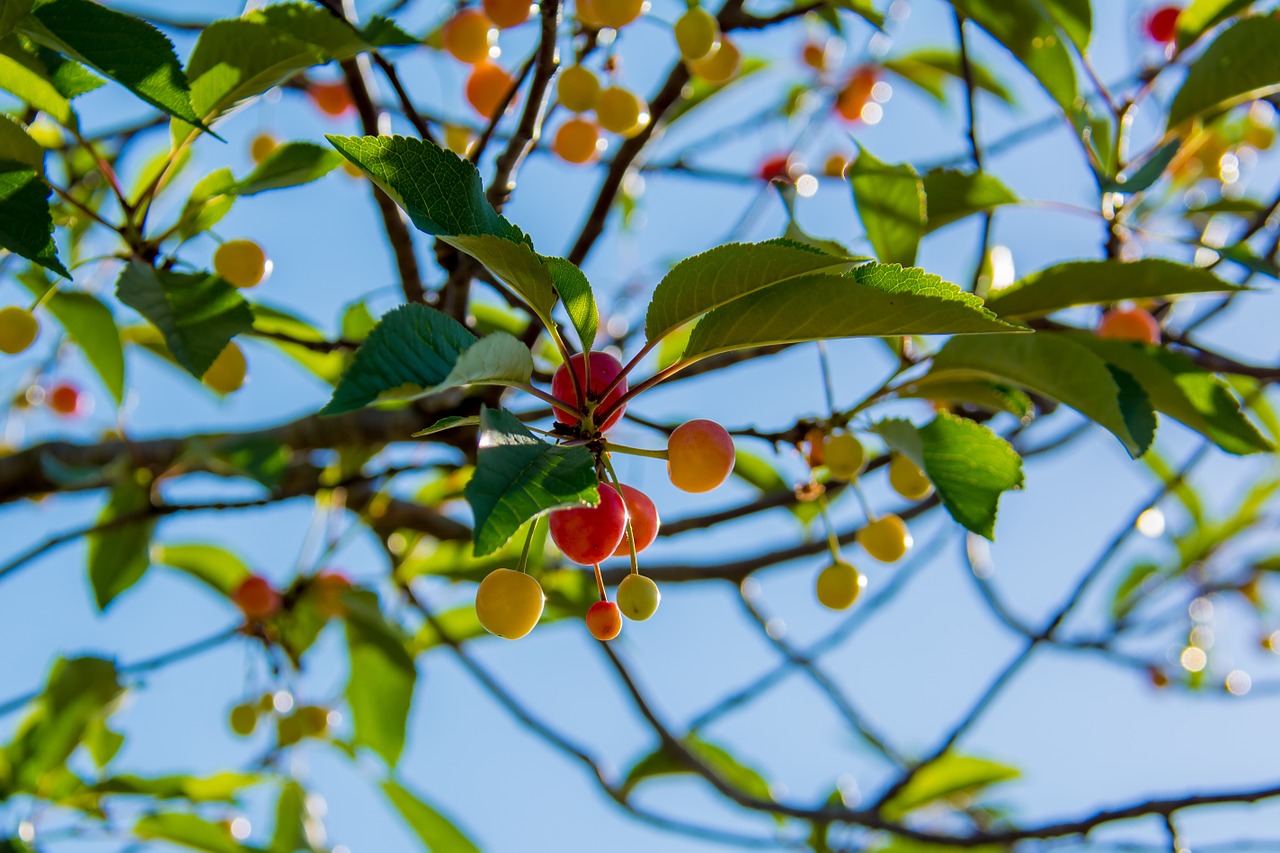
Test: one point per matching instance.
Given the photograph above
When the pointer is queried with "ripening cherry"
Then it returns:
(700, 455)
(64, 399)
(604, 369)
(487, 88)
(468, 35)
(327, 590)
(18, 329)
(506, 13)
(586, 12)
(644, 520)
(721, 65)
(814, 55)
(622, 112)
(243, 263)
(256, 598)
(313, 720)
(457, 139)
(839, 585)
(577, 141)
(856, 93)
(907, 479)
(1162, 24)
(835, 166)
(616, 13)
(261, 147)
(604, 620)
(886, 538)
(844, 455)
(578, 89)
(1130, 324)
(774, 168)
(332, 99)
(228, 371)
(509, 603)
(638, 597)
(590, 534)
(697, 34)
(243, 719)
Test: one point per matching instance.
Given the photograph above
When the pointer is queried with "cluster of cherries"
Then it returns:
(700, 456)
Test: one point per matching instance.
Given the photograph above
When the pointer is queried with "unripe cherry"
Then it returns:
(590, 534)
(638, 597)
(1130, 324)
(467, 36)
(907, 479)
(228, 371)
(697, 34)
(844, 455)
(509, 603)
(243, 719)
(887, 538)
(604, 369)
(839, 585)
(261, 147)
(721, 65)
(700, 455)
(243, 263)
(616, 13)
(18, 329)
(506, 13)
(578, 89)
(256, 598)
(621, 111)
(644, 520)
(604, 620)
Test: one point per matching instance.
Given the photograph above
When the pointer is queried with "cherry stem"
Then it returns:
(630, 532)
(579, 393)
(660, 376)
(862, 499)
(635, 451)
(543, 395)
(524, 553)
(600, 584)
(824, 362)
(833, 542)
(630, 366)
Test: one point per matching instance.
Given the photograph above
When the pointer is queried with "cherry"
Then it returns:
(886, 538)
(577, 141)
(604, 620)
(228, 371)
(256, 598)
(243, 263)
(814, 55)
(856, 93)
(638, 597)
(1130, 324)
(590, 534)
(313, 720)
(327, 589)
(64, 399)
(644, 520)
(457, 139)
(509, 603)
(604, 369)
(836, 166)
(506, 13)
(621, 112)
(844, 455)
(1162, 24)
(907, 479)
(721, 65)
(18, 329)
(839, 585)
(697, 34)
(700, 456)
(587, 16)
(332, 99)
(578, 89)
(261, 147)
(243, 719)
(487, 87)
(468, 35)
(288, 730)
(775, 168)
(616, 13)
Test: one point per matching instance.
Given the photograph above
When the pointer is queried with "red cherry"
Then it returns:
(1162, 24)
(590, 534)
(604, 369)
(256, 598)
(328, 589)
(644, 520)
(775, 169)
(64, 398)
(604, 620)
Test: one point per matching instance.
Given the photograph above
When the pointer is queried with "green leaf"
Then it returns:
(313, 24)
(1086, 282)
(1148, 173)
(91, 33)
(198, 313)
(519, 476)
(11, 12)
(974, 392)
(967, 463)
(952, 195)
(90, 324)
(496, 359)
(579, 301)
(26, 78)
(1200, 16)
(380, 687)
(1059, 368)
(290, 833)
(760, 473)
(931, 68)
(1031, 35)
(219, 788)
(891, 205)
(119, 556)
(1074, 17)
(449, 423)
(698, 91)
(907, 845)
(289, 165)
(438, 833)
(328, 366)
(69, 77)
(17, 147)
(947, 777)
(26, 227)
(721, 275)
(871, 300)
(444, 196)
(663, 762)
(189, 830)
(1183, 391)
(1129, 591)
(236, 59)
(210, 564)
(411, 345)
(1240, 65)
